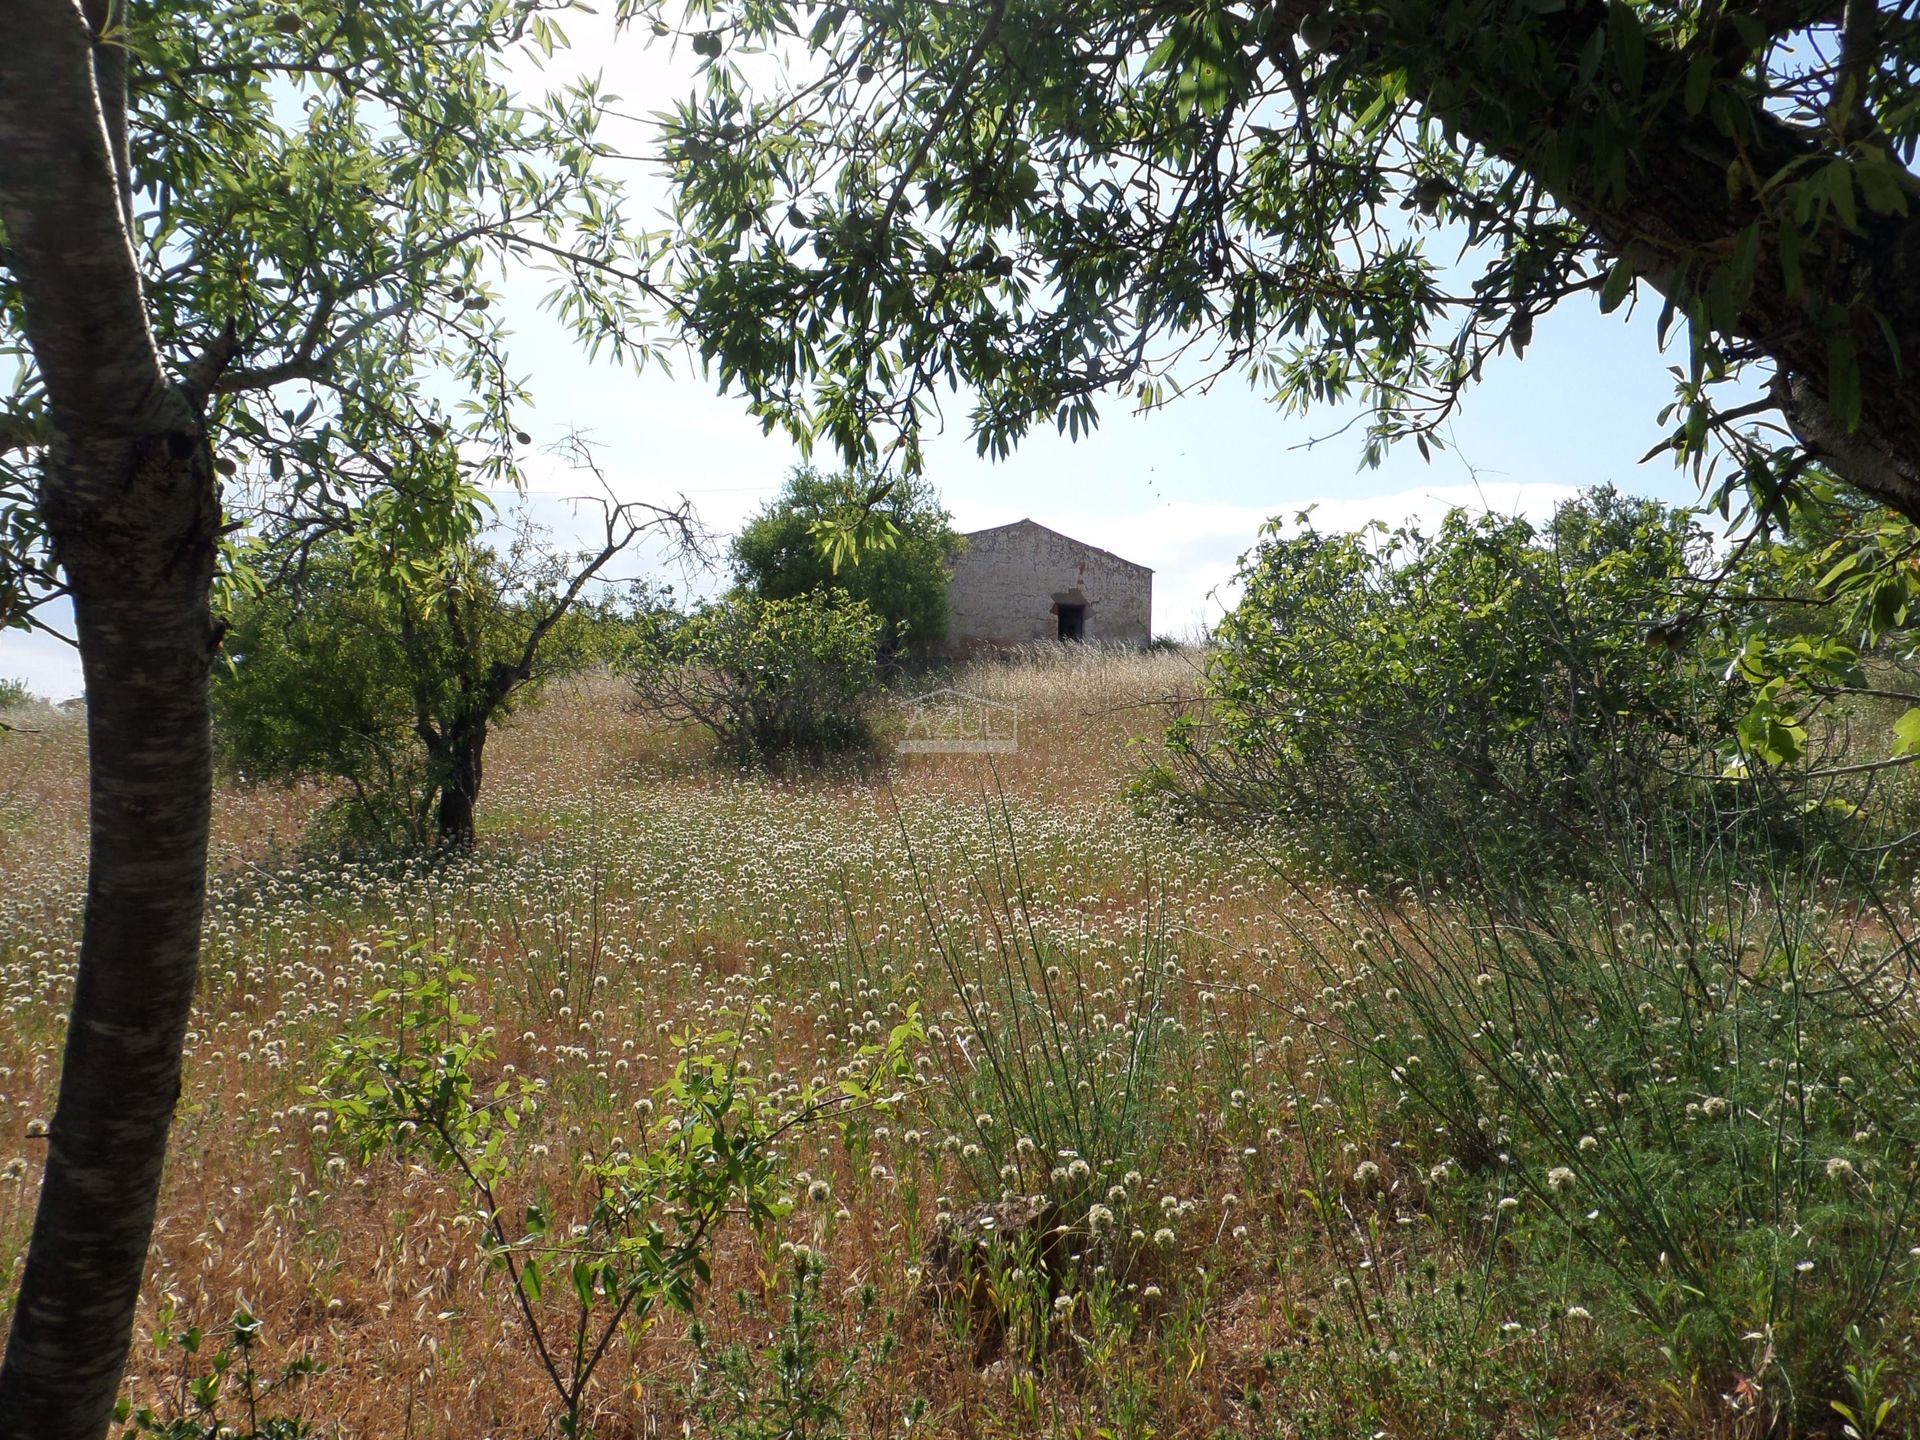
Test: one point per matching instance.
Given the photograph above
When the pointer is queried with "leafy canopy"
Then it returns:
(1359, 201)
(325, 193)
(904, 582)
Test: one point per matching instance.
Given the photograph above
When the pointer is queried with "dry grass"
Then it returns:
(621, 893)
(1084, 713)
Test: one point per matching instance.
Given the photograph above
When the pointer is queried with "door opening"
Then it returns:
(1073, 621)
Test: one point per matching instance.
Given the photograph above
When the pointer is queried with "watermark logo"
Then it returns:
(952, 722)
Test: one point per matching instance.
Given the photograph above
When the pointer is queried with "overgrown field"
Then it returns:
(1310, 1163)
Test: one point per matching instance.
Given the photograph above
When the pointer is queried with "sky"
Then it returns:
(1184, 489)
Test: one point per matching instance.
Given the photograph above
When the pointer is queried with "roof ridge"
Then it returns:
(1083, 544)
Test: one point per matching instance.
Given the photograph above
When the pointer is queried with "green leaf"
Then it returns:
(1592, 52)
(1880, 182)
(1628, 44)
(1836, 181)
(1906, 733)
(1618, 283)
(1699, 78)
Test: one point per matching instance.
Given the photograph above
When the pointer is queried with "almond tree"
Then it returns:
(251, 236)
(1042, 202)
(358, 664)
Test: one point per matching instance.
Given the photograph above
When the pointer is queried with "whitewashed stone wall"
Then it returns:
(1009, 584)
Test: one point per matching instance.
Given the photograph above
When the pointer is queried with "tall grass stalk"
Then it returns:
(1050, 1057)
(1689, 1093)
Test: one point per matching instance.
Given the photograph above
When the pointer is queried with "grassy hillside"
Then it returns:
(1263, 1228)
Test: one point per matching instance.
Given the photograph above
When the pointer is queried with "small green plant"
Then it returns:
(407, 1079)
(1871, 1403)
(14, 694)
(415, 1076)
(802, 1384)
(218, 1391)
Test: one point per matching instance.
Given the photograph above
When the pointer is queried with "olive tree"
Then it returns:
(254, 238)
(388, 679)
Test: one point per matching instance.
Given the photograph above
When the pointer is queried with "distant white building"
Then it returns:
(1018, 583)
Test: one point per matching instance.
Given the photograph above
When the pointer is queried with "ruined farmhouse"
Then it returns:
(1014, 584)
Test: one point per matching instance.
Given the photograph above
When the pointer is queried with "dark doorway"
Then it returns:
(1073, 621)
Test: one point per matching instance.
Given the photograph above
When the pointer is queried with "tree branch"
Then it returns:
(310, 361)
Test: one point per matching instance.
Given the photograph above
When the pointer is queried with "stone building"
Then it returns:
(1022, 582)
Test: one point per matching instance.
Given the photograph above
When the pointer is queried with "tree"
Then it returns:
(266, 231)
(1049, 201)
(903, 581)
(391, 684)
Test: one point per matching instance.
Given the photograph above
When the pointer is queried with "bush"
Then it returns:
(1388, 697)
(902, 578)
(769, 679)
(14, 694)
(315, 684)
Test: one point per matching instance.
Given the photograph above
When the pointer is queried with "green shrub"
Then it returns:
(316, 685)
(1386, 696)
(769, 679)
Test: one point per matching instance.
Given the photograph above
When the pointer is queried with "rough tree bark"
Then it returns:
(1690, 193)
(460, 768)
(130, 501)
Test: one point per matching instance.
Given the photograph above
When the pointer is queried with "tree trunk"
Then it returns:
(460, 767)
(134, 526)
(130, 503)
(1685, 203)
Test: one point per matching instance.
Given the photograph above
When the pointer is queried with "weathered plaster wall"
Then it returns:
(1008, 586)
